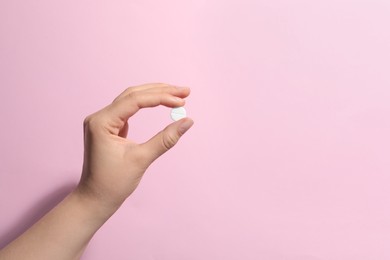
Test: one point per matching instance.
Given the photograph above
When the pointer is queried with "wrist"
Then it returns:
(96, 206)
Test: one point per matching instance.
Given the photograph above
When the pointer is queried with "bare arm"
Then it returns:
(112, 169)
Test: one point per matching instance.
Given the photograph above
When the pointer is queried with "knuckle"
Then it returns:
(169, 89)
(132, 94)
(126, 92)
(129, 90)
(91, 123)
(86, 121)
(168, 141)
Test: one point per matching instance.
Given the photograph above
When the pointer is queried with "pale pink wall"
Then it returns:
(289, 155)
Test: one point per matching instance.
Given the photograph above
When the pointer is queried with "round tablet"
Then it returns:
(178, 113)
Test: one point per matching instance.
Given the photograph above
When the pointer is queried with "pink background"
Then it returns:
(289, 155)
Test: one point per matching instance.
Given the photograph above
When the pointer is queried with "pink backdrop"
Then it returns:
(289, 155)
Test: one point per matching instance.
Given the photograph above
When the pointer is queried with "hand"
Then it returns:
(113, 165)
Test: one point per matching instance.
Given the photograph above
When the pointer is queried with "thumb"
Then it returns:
(167, 138)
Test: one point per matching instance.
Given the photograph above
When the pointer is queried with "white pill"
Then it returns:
(178, 113)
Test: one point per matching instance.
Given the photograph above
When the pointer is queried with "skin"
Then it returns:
(112, 169)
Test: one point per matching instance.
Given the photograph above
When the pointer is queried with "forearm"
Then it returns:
(63, 233)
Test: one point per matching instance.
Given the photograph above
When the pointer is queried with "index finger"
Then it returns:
(147, 86)
(128, 105)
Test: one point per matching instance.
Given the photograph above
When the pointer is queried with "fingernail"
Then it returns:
(185, 125)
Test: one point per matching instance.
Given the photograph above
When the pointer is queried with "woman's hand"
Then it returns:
(114, 165)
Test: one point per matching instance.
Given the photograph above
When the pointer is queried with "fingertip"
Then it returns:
(185, 124)
(184, 91)
(187, 88)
